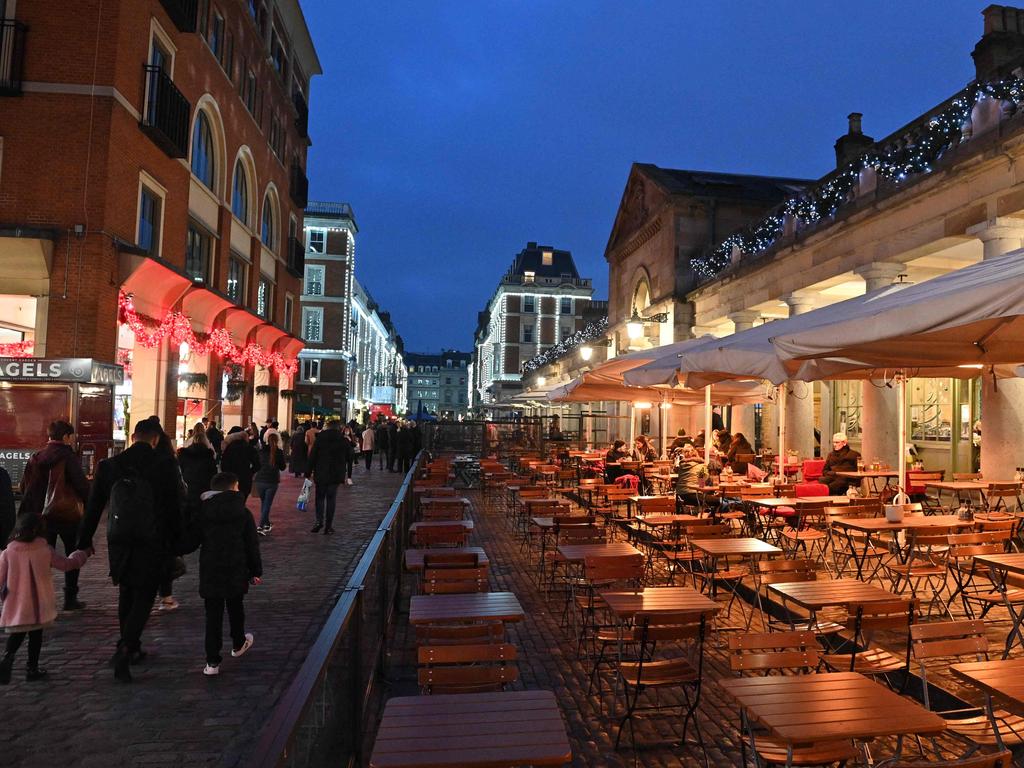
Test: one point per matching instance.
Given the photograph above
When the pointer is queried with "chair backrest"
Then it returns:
(916, 479)
(786, 571)
(450, 581)
(441, 536)
(867, 618)
(660, 505)
(966, 545)
(949, 638)
(570, 520)
(618, 569)
(579, 534)
(773, 651)
(441, 491)
(713, 531)
(451, 560)
(812, 469)
(443, 511)
(1004, 490)
(746, 492)
(467, 668)
(460, 634)
(958, 476)
(785, 490)
(668, 627)
(997, 760)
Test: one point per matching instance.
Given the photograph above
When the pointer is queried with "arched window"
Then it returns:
(267, 224)
(240, 194)
(203, 160)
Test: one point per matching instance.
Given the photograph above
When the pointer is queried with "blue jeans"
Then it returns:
(326, 496)
(266, 492)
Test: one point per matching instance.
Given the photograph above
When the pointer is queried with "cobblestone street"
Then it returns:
(172, 714)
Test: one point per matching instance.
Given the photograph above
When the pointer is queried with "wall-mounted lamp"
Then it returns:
(635, 324)
(586, 352)
(642, 405)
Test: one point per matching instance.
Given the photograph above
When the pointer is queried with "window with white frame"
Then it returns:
(566, 308)
(317, 241)
(529, 304)
(150, 212)
(314, 283)
(528, 333)
(310, 369)
(313, 323)
(289, 308)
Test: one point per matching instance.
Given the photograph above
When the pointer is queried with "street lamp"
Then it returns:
(635, 324)
(586, 352)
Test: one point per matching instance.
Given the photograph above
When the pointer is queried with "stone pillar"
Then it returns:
(800, 403)
(285, 405)
(824, 390)
(1002, 403)
(155, 383)
(880, 431)
(260, 402)
(744, 320)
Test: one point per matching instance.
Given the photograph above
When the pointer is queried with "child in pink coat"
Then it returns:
(26, 588)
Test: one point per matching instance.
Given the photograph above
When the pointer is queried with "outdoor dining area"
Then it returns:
(557, 618)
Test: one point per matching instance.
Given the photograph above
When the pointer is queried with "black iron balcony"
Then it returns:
(12, 56)
(299, 187)
(165, 118)
(182, 13)
(302, 119)
(296, 263)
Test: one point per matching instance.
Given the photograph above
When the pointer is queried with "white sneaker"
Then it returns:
(348, 481)
(168, 604)
(211, 670)
(245, 646)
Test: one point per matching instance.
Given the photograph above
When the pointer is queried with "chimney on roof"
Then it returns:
(1001, 48)
(853, 143)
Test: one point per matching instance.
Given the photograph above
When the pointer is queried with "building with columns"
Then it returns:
(151, 195)
(938, 194)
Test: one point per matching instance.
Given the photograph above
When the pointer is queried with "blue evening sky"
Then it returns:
(460, 130)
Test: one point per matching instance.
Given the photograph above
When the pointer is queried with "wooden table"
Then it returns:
(499, 730)
(414, 557)
(577, 553)
(815, 595)
(1003, 680)
(804, 709)
(443, 502)
(742, 547)
(657, 520)
(626, 604)
(789, 501)
(877, 525)
(1001, 566)
(872, 476)
(962, 489)
(472, 606)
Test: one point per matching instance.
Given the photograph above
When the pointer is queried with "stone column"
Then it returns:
(743, 415)
(744, 320)
(800, 403)
(879, 428)
(1002, 403)
(260, 402)
(155, 383)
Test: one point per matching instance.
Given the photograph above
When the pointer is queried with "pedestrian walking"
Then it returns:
(29, 601)
(392, 445)
(367, 440)
(299, 453)
(216, 437)
(267, 479)
(327, 466)
(54, 487)
(7, 514)
(381, 442)
(198, 466)
(406, 450)
(229, 560)
(140, 489)
(351, 449)
(173, 566)
(240, 458)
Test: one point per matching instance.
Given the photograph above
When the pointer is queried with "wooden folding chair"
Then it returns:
(467, 668)
(875, 661)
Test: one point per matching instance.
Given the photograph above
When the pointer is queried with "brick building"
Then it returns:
(440, 383)
(539, 301)
(160, 155)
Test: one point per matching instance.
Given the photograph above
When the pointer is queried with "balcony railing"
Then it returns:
(165, 118)
(299, 187)
(182, 13)
(12, 56)
(302, 119)
(296, 262)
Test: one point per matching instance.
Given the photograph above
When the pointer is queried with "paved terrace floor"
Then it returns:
(548, 660)
(172, 714)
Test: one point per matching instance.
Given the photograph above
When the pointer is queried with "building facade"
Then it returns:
(151, 195)
(439, 384)
(377, 374)
(326, 309)
(539, 301)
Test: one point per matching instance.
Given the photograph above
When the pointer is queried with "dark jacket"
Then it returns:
(299, 453)
(138, 564)
(405, 443)
(6, 507)
(240, 458)
(229, 552)
(37, 475)
(216, 437)
(392, 440)
(380, 438)
(270, 472)
(843, 460)
(198, 466)
(331, 451)
(738, 449)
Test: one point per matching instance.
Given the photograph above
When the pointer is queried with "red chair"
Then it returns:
(805, 490)
(812, 469)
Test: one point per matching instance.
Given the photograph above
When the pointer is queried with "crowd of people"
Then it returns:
(162, 504)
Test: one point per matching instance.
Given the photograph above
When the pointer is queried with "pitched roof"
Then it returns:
(531, 259)
(724, 185)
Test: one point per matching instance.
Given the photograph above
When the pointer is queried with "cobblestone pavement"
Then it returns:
(172, 714)
(548, 660)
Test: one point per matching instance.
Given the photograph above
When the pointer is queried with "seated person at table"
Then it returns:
(643, 450)
(738, 447)
(722, 441)
(690, 468)
(842, 459)
(615, 454)
(680, 440)
(555, 431)
(698, 441)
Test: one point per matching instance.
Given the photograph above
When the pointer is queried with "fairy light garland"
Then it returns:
(175, 326)
(593, 330)
(911, 154)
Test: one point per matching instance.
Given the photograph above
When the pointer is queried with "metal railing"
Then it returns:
(182, 13)
(301, 114)
(299, 186)
(166, 116)
(329, 711)
(12, 56)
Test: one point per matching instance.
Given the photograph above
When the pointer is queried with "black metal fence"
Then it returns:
(326, 714)
(167, 111)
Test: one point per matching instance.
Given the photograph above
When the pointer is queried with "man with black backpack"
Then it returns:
(141, 493)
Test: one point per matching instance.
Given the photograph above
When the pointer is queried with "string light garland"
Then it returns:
(913, 153)
(593, 330)
(175, 326)
(17, 349)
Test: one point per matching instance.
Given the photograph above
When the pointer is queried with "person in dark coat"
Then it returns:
(198, 466)
(406, 449)
(34, 484)
(392, 444)
(229, 559)
(842, 458)
(240, 458)
(739, 446)
(299, 453)
(7, 515)
(216, 437)
(137, 568)
(328, 462)
(268, 478)
(380, 435)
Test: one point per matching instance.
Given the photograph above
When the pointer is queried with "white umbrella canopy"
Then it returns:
(970, 316)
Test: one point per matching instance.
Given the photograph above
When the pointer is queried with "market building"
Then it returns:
(151, 198)
(439, 384)
(936, 195)
(538, 302)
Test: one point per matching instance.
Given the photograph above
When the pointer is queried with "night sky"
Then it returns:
(461, 130)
